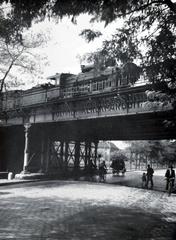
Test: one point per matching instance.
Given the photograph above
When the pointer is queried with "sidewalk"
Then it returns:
(18, 179)
(14, 181)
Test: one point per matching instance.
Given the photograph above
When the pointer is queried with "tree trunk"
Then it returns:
(3, 79)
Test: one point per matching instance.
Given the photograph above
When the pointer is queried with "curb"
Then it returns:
(17, 182)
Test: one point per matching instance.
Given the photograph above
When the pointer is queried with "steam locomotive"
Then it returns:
(66, 85)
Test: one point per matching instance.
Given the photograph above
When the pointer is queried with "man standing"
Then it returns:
(150, 173)
(170, 176)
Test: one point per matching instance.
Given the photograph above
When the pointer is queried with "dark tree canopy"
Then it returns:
(148, 36)
(151, 22)
(24, 12)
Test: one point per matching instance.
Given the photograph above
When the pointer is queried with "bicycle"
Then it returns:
(170, 185)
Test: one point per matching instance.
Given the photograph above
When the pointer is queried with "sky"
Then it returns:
(121, 144)
(63, 49)
(65, 45)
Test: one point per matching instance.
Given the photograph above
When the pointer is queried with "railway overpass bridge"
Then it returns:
(51, 136)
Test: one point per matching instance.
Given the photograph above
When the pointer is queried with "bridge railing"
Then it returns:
(121, 101)
(106, 105)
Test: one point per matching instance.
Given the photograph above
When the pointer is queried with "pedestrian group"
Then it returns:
(147, 178)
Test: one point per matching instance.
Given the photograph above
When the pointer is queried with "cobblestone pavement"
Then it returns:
(68, 210)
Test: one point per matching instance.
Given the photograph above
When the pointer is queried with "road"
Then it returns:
(69, 210)
(134, 179)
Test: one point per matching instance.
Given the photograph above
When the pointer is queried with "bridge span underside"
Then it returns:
(52, 146)
(146, 126)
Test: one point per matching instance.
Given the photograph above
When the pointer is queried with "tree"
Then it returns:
(148, 37)
(150, 26)
(90, 35)
(158, 152)
(19, 57)
(169, 152)
(103, 10)
(139, 153)
(24, 12)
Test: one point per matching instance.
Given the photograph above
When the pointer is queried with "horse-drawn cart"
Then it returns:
(118, 166)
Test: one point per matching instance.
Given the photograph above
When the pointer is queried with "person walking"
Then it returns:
(102, 171)
(150, 173)
(170, 176)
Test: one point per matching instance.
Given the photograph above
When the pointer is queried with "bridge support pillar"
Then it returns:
(91, 153)
(43, 147)
(61, 154)
(95, 153)
(26, 148)
(44, 157)
(77, 156)
(65, 156)
(86, 156)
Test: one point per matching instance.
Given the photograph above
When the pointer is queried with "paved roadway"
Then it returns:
(131, 179)
(134, 179)
(68, 210)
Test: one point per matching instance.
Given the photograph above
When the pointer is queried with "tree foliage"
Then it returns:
(150, 22)
(100, 9)
(24, 12)
(90, 35)
(163, 151)
(17, 57)
(147, 37)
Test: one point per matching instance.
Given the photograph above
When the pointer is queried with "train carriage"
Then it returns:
(66, 85)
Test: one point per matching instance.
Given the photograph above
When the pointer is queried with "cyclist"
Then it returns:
(170, 177)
